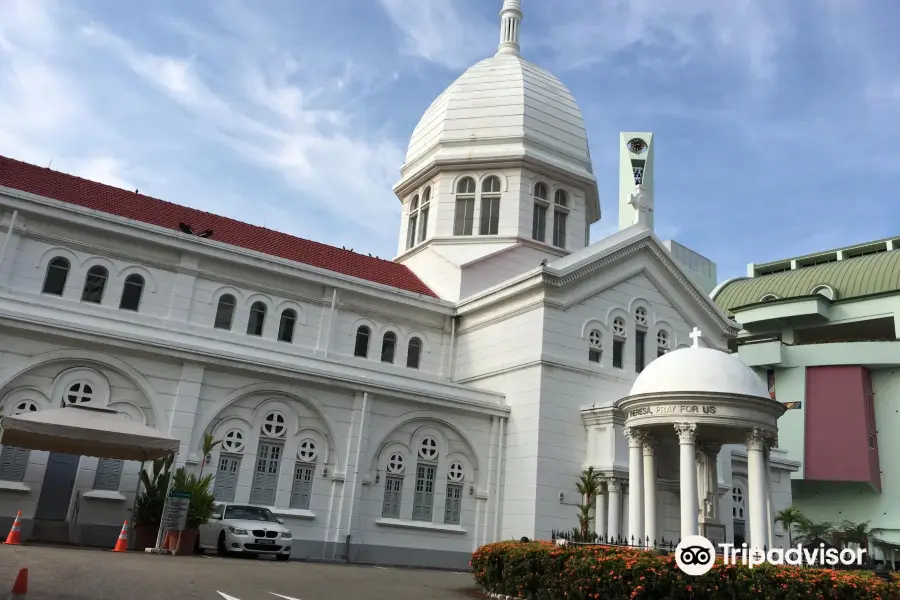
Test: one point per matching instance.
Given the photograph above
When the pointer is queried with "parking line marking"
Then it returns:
(226, 596)
(285, 597)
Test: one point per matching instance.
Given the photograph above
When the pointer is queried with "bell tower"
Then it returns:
(635, 179)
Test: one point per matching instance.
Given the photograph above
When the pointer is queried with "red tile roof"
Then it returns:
(104, 198)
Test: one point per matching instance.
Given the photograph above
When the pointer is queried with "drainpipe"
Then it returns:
(500, 458)
(362, 422)
(9, 232)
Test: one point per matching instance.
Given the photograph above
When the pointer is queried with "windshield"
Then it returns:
(249, 513)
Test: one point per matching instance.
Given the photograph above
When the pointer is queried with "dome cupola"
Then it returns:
(498, 165)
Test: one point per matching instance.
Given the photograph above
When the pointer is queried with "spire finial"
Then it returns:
(510, 17)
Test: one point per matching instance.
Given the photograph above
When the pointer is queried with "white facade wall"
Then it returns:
(516, 352)
(221, 380)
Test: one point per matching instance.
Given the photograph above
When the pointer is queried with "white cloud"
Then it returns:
(242, 94)
(438, 31)
(748, 33)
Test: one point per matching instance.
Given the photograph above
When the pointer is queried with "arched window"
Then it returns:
(412, 220)
(619, 333)
(388, 347)
(131, 292)
(257, 318)
(393, 486)
(55, 279)
(560, 214)
(595, 345)
(453, 501)
(14, 461)
(490, 206)
(464, 218)
(641, 320)
(225, 312)
(94, 284)
(414, 353)
(539, 218)
(737, 502)
(768, 298)
(304, 472)
(226, 477)
(286, 326)
(423, 214)
(268, 459)
(361, 348)
(662, 342)
(426, 469)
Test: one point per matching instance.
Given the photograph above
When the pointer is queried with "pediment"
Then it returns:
(619, 247)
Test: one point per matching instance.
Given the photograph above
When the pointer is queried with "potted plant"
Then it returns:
(199, 511)
(149, 504)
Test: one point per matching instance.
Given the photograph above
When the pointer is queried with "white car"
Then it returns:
(249, 530)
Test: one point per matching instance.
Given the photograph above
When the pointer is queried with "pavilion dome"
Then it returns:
(502, 101)
(699, 369)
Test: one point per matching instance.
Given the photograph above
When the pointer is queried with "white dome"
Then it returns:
(699, 370)
(506, 100)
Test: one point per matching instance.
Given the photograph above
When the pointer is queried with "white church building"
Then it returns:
(420, 407)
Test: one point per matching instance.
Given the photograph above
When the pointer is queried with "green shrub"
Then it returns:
(545, 571)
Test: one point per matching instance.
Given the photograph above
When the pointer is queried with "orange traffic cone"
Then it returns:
(15, 532)
(20, 588)
(122, 543)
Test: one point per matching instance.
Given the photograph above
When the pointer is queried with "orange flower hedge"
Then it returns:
(545, 571)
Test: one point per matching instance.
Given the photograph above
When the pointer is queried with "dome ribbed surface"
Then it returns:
(504, 97)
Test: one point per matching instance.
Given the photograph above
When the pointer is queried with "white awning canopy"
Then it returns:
(86, 431)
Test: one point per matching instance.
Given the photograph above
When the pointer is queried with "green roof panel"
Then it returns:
(849, 278)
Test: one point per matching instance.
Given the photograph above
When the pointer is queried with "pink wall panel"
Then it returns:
(840, 426)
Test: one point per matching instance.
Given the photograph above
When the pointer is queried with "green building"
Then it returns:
(824, 330)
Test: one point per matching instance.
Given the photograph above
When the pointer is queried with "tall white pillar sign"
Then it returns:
(756, 482)
(650, 510)
(615, 508)
(688, 476)
(635, 485)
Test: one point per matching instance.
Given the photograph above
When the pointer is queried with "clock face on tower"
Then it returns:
(637, 146)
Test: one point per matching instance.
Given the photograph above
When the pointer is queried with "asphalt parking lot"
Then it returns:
(83, 574)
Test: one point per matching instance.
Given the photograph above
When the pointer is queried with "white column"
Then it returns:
(635, 485)
(712, 452)
(601, 516)
(650, 510)
(770, 506)
(615, 508)
(756, 482)
(688, 477)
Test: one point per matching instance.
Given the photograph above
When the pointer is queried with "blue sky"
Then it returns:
(776, 123)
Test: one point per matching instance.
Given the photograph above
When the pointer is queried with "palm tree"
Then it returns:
(810, 531)
(789, 518)
(858, 533)
(588, 485)
(208, 446)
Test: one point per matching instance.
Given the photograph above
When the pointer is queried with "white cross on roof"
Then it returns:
(695, 335)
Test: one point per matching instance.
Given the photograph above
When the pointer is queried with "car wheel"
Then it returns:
(197, 548)
(283, 557)
(220, 545)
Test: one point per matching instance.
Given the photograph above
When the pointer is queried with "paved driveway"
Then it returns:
(81, 574)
